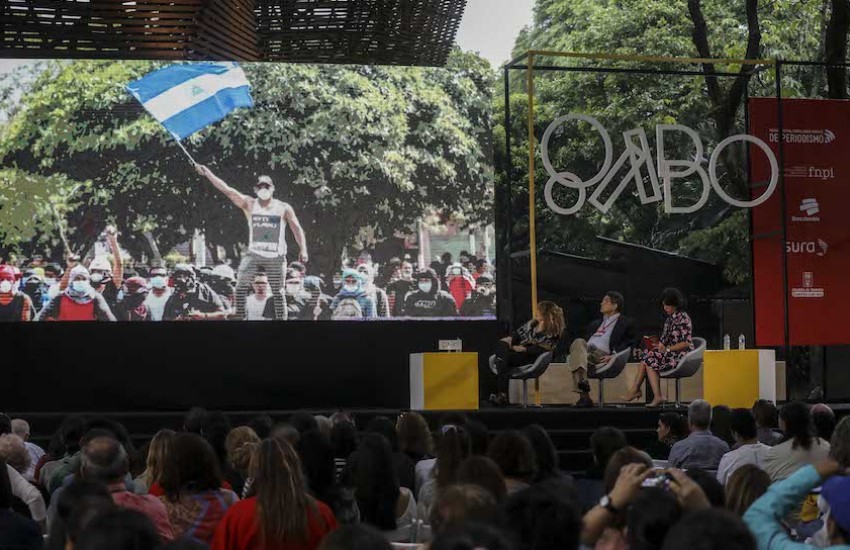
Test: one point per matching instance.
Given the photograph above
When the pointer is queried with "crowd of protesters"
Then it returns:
(716, 479)
(104, 289)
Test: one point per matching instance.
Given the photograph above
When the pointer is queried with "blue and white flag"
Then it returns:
(188, 97)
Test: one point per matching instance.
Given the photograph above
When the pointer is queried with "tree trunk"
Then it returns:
(836, 49)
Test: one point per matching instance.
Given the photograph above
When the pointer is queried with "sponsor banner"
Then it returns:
(816, 137)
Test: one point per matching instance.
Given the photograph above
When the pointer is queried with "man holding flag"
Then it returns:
(187, 98)
(267, 222)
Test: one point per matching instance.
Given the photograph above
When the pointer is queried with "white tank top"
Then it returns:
(267, 229)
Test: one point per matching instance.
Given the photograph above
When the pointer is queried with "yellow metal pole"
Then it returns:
(532, 217)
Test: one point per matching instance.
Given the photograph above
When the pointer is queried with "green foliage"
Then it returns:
(789, 29)
(349, 147)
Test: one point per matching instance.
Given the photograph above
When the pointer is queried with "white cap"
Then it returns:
(224, 270)
(100, 263)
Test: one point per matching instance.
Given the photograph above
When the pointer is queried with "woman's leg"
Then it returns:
(634, 391)
(655, 383)
(503, 366)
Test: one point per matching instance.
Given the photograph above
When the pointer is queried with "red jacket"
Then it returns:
(239, 529)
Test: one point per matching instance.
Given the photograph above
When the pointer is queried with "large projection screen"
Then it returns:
(327, 193)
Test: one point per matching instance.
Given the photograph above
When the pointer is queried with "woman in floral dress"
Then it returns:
(675, 342)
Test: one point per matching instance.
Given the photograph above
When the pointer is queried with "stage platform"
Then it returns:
(570, 428)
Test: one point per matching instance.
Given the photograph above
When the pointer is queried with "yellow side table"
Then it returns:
(738, 378)
(443, 381)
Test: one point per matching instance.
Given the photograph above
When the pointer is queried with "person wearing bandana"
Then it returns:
(483, 300)
(78, 302)
(14, 305)
(132, 307)
(192, 300)
(606, 337)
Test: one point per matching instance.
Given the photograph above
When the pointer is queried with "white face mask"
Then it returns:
(264, 194)
(6, 287)
(80, 286)
(425, 286)
(351, 288)
(96, 278)
(292, 289)
(159, 282)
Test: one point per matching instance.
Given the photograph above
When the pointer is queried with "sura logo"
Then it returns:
(793, 135)
(638, 158)
(819, 248)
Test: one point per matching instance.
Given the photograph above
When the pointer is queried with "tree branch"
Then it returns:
(700, 38)
(739, 86)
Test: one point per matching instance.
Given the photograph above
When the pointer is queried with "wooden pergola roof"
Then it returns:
(387, 32)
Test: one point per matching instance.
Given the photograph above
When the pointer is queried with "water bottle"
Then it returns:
(742, 342)
(727, 342)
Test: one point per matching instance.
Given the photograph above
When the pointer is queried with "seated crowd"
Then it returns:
(720, 478)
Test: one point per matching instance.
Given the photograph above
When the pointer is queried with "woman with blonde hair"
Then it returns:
(526, 344)
(279, 512)
(240, 445)
(155, 463)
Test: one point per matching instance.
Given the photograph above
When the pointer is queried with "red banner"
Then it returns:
(816, 164)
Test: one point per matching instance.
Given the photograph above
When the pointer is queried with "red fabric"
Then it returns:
(69, 310)
(460, 288)
(147, 505)
(157, 490)
(239, 529)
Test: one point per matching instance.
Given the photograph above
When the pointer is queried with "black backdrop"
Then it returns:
(55, 367)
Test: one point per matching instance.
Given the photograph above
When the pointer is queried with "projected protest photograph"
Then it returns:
(203, 191)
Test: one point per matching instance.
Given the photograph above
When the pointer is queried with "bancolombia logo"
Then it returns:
(639, 155)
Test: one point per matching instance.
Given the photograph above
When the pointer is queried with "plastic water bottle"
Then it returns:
(742, 342)
(727, 342)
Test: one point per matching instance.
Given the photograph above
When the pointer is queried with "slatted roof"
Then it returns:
(390, 32)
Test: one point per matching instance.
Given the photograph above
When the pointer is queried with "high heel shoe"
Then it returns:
(657, 403)
(635, 395)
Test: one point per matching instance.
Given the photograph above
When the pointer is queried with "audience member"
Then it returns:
(64, 445)
(711, 529)
(5, 424)
(767, 417)
(303, 422)
(603, 443)
(325, 424)
(701, 449)
(27, 494)
(239, 446)
(284, 431)
(652, 514)
(712, 488)
(383, 503)
(344, 442)
(721, 423)
(16, 531)
(801, 445)
(479, 437)
(546, 457)
(457, 504)
(156, 459)
(840, 442)
(452, 449)
(414, 436)
(262, 425)
(119, 529)
(672, 427)
(279, 513)
(747, 450)
(472, 536)
(355, 537)
(21, 428)
(747, 484)
(317, 460)
(404, 466)
(194, 420)
(621, 459)
(765, 517)
(425, 467)
(824, 420)
(482, 471)
(543, 517)
(75, 506)
(14, 453)
(192, 482)
(514, 455)
(104, 459)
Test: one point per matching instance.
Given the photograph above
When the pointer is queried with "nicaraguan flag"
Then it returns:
(188, 97)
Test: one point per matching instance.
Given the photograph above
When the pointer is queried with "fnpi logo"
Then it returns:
(638, 157)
